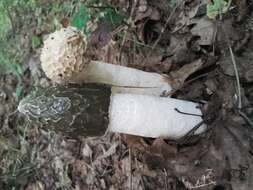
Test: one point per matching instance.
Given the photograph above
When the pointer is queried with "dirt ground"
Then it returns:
(161, 36)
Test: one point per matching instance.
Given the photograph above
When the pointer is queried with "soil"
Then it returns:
(165, 39)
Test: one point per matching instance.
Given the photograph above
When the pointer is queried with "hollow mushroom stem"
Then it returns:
(123, 79)
(91, 110)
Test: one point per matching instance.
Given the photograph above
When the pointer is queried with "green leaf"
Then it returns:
(7, 64)
(5, 23)
(35, 42)
(172, 3)
(80, 18)
(113, 17)
(18, 92)
(216, 7)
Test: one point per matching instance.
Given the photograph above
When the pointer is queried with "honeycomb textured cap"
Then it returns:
(62, 56)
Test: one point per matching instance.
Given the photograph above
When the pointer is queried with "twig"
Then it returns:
(186, 83)
(204, 185)
(237, 140)
(186, 137)
(7, 8)
(163, 30)
(130, 20)
(138, 169)
(165, 179)
(246, 118)
(235, 70)
(13, 29)
(185, 113)
(130, 163)
(237, 78)
(100, 7)
(137, 42)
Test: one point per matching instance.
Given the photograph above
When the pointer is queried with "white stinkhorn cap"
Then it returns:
(62, 54)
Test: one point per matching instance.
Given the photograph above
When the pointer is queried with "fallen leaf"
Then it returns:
(65, 22)
(35, 186)
(227, 29)
(109, 152)
(80, 18)
(87, 151)
(101, 36)
(243, 8)
(135, 142)
(178, 77)
(159, 146)
(243, 63)
(216, 7)
(150, 13)
(205, 29)
(144, 170)
(79, 169)
(178, 52)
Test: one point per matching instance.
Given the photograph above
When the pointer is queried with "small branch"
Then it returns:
(186, 83)
(13, 28)
(235, 70)
(246, 118)
(204, 185)
(237, 78)
(100, 7)
(186, 137)
(187, 113)
(130, 163)
(163, 30)
(129, 21)
(165, 178)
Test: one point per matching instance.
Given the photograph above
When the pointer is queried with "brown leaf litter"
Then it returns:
(191, 50)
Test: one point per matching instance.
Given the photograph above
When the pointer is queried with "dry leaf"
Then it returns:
(178, 77)
(35, 186)
(205, 29)
(243, 63)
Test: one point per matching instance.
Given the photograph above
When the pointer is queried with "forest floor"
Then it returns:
(153, 35)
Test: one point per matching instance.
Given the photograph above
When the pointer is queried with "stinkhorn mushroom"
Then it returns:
(66, 58)
(90, 110)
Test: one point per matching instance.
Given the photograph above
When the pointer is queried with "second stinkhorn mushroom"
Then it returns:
(66, 58)
(91, 110)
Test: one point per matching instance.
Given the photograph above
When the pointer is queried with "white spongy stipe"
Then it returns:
(150, 116)
(128, 80)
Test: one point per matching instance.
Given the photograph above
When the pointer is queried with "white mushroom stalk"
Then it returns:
(151, 116)
(65, 58)
(90, 111)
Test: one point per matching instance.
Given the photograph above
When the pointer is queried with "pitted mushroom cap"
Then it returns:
(63, 54)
